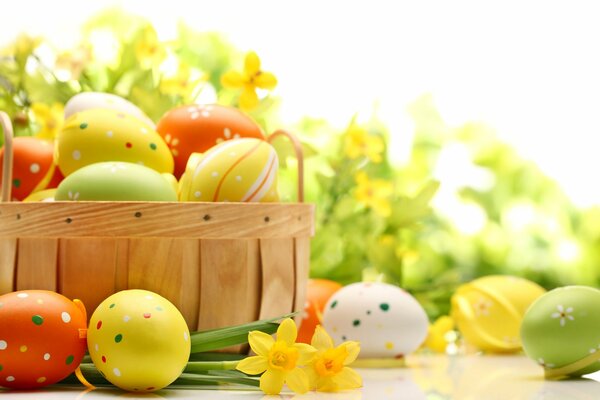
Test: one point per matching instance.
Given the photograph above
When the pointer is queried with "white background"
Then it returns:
(528, 68)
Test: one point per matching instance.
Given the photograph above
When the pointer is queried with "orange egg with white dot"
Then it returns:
(97, 135)
(241, 170)
(42, 338)
(318, 293)
(196, 128)
(33, 167)
(138, 340)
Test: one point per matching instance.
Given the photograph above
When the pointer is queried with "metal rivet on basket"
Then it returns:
(206, 217)
(267, 219)
(68, 220)
(138, 214)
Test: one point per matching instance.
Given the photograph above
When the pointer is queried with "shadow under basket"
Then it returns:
(220, 264)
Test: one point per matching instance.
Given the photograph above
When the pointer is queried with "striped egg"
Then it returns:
(240, 170)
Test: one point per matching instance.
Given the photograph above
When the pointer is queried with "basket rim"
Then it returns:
(202, 220)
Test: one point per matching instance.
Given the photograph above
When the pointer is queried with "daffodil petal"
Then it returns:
(265, 80)
(347, 378)
(233, 79)
(321, 339)
(271, 382)
(297, 380)
(248, 98)
(353, 349)
(313, 377)
(253, 365)
(306, 353)
(260, 342)
(251, 63)
(287, 331)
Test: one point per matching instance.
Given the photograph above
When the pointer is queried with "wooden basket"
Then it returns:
(219, 263)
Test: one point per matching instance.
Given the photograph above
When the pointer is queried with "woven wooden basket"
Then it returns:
(219, 263)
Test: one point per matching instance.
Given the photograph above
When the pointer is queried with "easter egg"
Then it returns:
(241, 170)
(488, 311)
(43, 195)
(90, 100)
(42, 338)
(386, 320)
(197, 128)
(318, 292)
(138, 340)
(561, 331)
(116, 181)
(98, 135)
(33, 167)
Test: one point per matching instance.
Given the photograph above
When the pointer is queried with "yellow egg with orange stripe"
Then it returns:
(239, 170)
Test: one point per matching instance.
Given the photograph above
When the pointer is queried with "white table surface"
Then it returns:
(431, 377)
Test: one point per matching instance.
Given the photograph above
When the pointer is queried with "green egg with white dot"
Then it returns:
(386, 320)
(561, 331)
(138, 340)
(116, 181)
(97, 135)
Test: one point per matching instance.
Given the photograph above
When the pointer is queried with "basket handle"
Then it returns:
(8, 157)
(299, 157)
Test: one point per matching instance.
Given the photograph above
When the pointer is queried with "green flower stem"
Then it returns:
(201, 366)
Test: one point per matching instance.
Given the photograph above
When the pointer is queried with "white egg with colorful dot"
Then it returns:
(138, 340)
(386, 320)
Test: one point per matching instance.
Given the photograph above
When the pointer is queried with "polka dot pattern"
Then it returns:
(28, 354)
(65, 317)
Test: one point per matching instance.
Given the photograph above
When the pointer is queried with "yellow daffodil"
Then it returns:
(149, 51)
(49, 118)
(279, 359)
(359, 143)
(22, 47)
(182, 83)
(249, 80)
(74, 62)
(374, 194)
(329, 371)
(438, 332)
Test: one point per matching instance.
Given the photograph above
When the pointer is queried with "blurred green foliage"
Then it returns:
(497, 214)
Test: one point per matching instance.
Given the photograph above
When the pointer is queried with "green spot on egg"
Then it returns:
(356, 322)
(1, 368)
(384, 306)
(83, 125)
(333, 304)
(112, 305)
(16, 183)
(37, 319)
(153, 146)
(69, 360)
(118, 338)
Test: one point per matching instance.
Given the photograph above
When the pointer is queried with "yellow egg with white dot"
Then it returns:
(138, 340)
(98, 135)
(239, 170)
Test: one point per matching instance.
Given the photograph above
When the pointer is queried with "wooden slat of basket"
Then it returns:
(278, 279)
(87, 269)
(302, 267)
(168, 267)
(154, 219)
(122, 262)
(37, 260)
(8, 259)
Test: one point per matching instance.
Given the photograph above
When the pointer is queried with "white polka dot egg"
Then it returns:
(387, 321)
(138, 340)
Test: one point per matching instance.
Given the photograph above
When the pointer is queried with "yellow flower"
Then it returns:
(438, 331)
(183, 83)
(279, 359)
(374, 194)
(74, 62)
(148, 50)
(358, 143)
(328, 372)
(22, 47)
(49, 118)
(251, 79)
